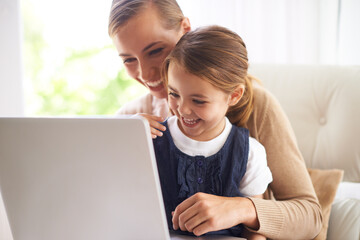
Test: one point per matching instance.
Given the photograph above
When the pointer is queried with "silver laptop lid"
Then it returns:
(87, 178)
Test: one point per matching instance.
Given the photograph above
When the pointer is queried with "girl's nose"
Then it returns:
(184, 109)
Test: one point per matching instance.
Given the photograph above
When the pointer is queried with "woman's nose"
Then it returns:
(149, 73)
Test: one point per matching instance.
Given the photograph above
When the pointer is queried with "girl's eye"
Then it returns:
(198, 101)
(172, 94)
(129, 60)
(155, 51)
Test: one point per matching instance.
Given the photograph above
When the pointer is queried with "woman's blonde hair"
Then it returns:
(218, 56)
(122, 11)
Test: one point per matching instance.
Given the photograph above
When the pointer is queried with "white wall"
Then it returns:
(349, 35)
(11, 96)
(11, 92)
(287, 31)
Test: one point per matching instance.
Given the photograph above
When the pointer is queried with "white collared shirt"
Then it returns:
(257, 175)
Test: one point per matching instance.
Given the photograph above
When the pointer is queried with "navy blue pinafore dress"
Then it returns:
(181, 175)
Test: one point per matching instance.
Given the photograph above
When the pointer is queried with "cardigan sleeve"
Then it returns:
(295, 213)
(146, 104)
(141, 104)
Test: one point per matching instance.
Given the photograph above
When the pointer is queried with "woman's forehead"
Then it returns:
(141, 31)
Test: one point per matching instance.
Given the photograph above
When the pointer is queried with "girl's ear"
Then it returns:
(236, 95)
(185, 25)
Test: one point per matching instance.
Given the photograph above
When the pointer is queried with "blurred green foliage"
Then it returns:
(77, 82)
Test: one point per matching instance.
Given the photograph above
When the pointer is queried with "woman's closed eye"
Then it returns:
(199, 102)
(155, 51)
(129, 60)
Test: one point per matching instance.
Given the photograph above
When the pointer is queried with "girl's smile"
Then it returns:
(191, 123)
(199, 106)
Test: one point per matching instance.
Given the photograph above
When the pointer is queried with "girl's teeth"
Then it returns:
(190, 121)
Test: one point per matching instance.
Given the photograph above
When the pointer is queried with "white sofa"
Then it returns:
(323, 106)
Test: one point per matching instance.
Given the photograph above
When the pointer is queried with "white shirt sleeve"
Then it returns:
(257, 176)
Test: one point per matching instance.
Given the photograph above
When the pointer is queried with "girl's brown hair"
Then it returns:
(218, 56)
(122, 11)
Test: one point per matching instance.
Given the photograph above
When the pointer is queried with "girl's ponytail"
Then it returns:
(240, 113)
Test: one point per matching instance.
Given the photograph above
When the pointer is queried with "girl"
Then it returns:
(206, 77)
(144, 32)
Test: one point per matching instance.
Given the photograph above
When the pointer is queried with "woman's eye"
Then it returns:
(129, 60)
(155, 51)
(172, 94)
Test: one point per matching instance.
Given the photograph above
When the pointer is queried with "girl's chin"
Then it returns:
(191, 130)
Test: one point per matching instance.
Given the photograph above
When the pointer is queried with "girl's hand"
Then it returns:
(155, 126)
(202, 213)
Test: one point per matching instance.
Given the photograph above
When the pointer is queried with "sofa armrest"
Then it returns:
(344, 220)
(5, 233)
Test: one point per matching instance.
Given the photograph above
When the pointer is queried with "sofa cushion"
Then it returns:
(322, 103)
(348, 190)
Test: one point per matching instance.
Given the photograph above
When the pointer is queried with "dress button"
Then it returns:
(200, 180)
(322, 121)
(200, 163)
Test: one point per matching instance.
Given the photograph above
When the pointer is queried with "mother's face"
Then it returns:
(143, 44)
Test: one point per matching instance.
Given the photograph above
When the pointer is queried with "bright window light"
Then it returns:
(71, 66)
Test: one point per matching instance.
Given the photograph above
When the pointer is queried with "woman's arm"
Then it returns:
(296, 213)
(147, 108)
(141, 104)
(252, 235)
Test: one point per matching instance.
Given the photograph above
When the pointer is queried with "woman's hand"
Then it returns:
(154, 122)
(202, 213)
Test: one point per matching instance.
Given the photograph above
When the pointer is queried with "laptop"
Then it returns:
(81, 178)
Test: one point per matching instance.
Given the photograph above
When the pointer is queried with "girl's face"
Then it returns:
(199, 106)
(143, 44)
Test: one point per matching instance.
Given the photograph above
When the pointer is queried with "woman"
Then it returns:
(144, 32)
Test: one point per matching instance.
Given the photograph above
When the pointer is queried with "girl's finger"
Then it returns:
(203, 228)
(185, 217)
(181, 208)
(195, 221)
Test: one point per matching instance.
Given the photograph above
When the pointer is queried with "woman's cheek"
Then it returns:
(132, 71)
